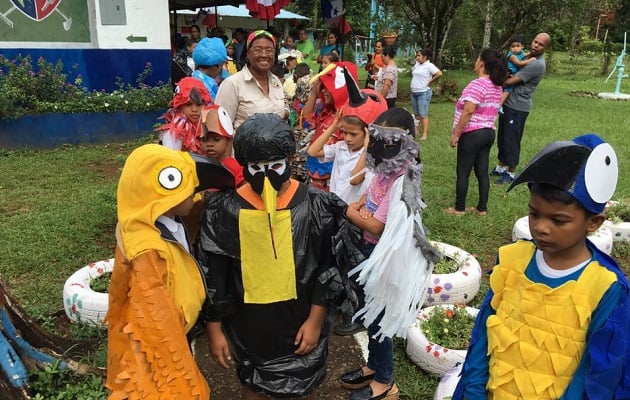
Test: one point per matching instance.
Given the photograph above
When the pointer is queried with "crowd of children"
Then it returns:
(347, 241)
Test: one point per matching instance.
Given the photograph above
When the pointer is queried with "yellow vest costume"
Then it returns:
(534, 351)
(156, 290)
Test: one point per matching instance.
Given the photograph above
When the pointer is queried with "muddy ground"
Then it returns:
(344, 354)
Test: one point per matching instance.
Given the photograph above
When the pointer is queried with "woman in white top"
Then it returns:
(423, 75)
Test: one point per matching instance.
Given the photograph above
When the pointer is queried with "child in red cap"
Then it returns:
(183, 119)
(216, 141)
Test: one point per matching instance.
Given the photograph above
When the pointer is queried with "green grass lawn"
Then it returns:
(58, 206)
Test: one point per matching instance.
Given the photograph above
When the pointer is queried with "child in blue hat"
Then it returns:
(209, 56)
(555, 321)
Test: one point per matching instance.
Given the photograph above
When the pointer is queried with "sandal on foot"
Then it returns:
(392, 393)
(476, 211)
(453, 211)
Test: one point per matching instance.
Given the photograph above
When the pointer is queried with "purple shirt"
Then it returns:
(486, 95)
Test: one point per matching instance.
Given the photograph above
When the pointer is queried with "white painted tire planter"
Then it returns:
(602, 238)
(620, 230)
(81, 303)
(459, 287)
(448, 383)
(432, 357)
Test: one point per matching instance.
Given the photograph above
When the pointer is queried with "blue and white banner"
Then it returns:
(332, 12)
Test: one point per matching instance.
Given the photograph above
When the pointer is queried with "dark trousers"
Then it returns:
(391, 103)
(510, 133)
(381, 354)
(473, 151)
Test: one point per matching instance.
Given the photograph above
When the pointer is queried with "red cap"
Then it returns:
(188, 89)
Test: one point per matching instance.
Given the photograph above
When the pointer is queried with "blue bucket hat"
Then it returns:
(209, 51)
(585, 167)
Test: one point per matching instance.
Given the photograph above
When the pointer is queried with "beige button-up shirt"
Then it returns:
(242, 96)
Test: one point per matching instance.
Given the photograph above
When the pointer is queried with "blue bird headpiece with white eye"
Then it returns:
(585, 167)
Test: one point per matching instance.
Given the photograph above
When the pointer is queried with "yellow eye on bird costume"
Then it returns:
(170, 178)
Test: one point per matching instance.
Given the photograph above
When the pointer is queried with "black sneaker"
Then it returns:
(505, 178)
(346, 328)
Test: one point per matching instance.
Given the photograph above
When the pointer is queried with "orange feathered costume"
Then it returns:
(156, 290)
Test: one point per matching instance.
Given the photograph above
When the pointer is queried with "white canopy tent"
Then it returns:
(231, 17)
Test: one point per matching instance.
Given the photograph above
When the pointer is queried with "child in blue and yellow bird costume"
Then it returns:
(555, 322)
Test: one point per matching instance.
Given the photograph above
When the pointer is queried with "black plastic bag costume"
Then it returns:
(262, 335)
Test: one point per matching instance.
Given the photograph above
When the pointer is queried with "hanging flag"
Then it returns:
(333, 14)
(265, 10)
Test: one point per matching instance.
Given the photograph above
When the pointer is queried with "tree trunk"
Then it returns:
(487, 29)
(606, 59)
(442, 14)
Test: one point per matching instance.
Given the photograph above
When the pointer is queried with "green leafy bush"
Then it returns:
(618, 211)
(44, 87)
(54, 383)
(449, 327)
(101, 283)
(448, 89)
(591, 46)
(446, 265)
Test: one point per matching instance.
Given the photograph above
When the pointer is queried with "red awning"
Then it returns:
(265, 10)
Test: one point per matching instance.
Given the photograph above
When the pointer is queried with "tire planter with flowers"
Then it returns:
(81, 303)
(448, 383)
(432, 357)
(619, 224)
(459, 287)
(602, 238)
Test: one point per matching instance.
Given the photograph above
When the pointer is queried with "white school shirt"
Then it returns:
(344, 161)
(177, 229)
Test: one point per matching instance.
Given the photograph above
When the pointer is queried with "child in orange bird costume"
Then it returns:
(157, 289)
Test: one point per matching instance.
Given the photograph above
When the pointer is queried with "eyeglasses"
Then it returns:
(259, 51)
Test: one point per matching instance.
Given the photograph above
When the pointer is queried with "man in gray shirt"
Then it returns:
(516, 109)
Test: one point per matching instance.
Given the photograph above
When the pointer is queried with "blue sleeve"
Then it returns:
(474, 377)
(604, 371)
